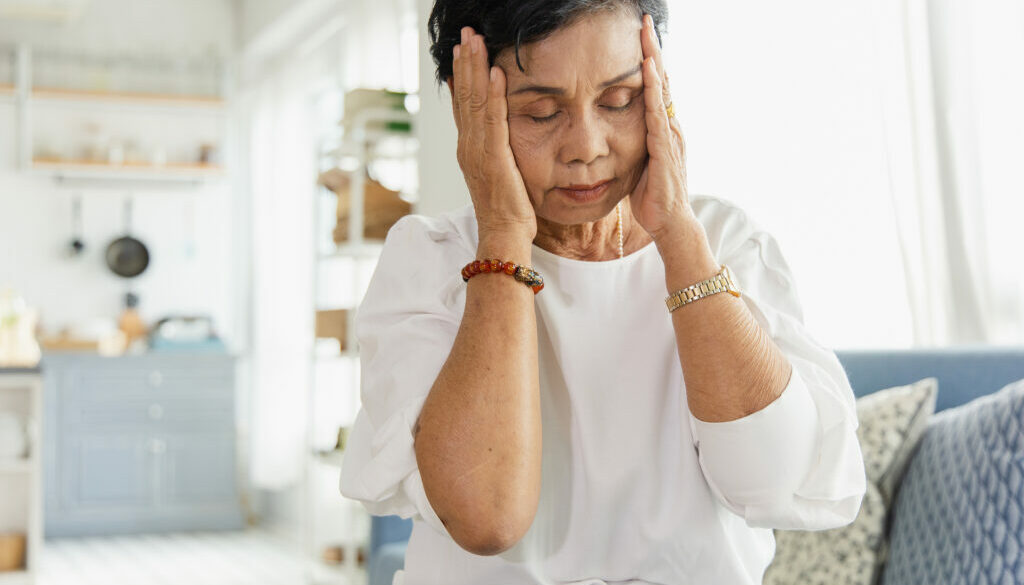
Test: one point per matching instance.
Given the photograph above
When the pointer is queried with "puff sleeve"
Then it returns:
(796, 464)
(405, 326)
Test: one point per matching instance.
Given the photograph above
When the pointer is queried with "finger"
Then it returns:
(456, 77)
(464, 81)
(656, 116)
(497, 112)
(480, 74)
(651, 48)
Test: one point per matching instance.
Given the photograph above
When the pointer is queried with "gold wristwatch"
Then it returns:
(721, 282)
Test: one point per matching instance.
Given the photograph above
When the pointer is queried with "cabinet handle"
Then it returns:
(156, 378)
(156, 412)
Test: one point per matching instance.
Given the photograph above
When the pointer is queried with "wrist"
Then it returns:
(680, 231)
(515, 248)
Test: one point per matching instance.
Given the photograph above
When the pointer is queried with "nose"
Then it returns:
(584, 140)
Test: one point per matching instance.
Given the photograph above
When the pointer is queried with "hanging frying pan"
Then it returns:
(127, 256)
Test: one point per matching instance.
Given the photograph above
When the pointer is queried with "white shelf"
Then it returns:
(8, 466)
(40, 120)
(26, 471)
(16, 578)
(120, 99)
(332, 458)
(364, 249)
(88, 170)
(359, 143)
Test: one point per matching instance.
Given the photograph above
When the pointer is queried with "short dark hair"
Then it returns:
(511, 23)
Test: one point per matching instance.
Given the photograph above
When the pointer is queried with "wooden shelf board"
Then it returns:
(137, 97)
(87, 168)
(6, 89)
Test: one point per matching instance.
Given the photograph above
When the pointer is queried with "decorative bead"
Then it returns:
(527, 276)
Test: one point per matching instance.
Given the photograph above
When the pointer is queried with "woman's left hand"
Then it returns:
(660, 202)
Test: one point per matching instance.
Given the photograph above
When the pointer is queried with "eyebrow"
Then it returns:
(559, 91)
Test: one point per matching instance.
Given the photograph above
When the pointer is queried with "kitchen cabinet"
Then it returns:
(141, 443)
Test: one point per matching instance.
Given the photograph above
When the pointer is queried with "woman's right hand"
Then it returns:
(503, 207)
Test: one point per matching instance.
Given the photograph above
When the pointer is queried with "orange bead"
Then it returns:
(475, 267)
(496, 265)
(485, 265)
(509, 268)
(537, 288)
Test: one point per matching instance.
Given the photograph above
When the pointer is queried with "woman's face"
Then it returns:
(576, 116)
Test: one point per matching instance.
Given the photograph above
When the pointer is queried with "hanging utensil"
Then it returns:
(127, 256)
(77, 244)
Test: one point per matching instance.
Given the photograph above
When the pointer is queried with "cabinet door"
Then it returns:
(108, 470)
(199, 468)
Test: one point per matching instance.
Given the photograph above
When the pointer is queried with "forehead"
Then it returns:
(593, 49)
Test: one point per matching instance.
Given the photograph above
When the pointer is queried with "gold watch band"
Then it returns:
(721, 282)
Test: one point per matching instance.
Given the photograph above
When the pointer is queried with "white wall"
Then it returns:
(442, 186)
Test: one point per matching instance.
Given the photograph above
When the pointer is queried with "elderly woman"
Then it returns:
(530, 397)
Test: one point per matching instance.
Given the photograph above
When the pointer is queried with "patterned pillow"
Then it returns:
(892, 422)
(959, 517)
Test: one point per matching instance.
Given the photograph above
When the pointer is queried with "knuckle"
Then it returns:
(477, 102)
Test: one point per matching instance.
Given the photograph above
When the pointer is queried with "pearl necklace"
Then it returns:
(618, 212)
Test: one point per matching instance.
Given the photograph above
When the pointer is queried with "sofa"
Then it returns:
(964, 373)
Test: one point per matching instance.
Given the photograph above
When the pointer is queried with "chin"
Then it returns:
(565, 212)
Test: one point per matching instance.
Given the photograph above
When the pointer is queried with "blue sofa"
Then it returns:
(964, 373)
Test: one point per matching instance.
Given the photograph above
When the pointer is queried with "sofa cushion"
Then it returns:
(892, 422)
(959, 516)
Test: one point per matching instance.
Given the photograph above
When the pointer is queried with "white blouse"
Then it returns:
(634, 488)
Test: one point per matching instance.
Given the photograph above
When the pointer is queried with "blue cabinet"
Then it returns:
(139, 444)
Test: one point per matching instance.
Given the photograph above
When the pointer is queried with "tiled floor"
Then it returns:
(215, 558)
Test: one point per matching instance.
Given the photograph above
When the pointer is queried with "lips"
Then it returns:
(585, 193)
(586, 187)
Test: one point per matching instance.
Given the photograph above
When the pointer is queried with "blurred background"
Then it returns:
(193, 195)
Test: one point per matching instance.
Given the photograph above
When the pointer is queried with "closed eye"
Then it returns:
(544, 119)
(628, 105)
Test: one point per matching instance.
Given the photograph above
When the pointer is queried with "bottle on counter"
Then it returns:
(18, 344)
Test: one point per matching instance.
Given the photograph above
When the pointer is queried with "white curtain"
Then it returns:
(282, 179)
(360, 44)
(951, 86)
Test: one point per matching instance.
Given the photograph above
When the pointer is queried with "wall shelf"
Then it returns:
(100, 169)
(61, 130)
(120, 98)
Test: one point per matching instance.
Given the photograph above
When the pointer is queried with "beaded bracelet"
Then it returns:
(527, 276)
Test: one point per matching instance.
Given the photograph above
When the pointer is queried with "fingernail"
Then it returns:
(475, 45)
(456, 51)
(494, 74)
